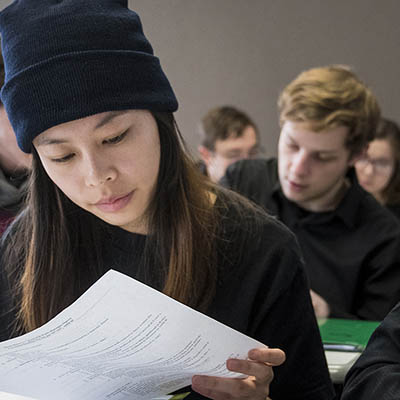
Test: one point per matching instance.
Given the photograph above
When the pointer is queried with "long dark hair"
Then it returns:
(53, 251)
(390, 131)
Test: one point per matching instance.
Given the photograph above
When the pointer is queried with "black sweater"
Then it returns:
(261, 291)
(376, 374)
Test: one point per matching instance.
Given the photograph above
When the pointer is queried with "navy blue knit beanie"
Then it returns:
(68, 59)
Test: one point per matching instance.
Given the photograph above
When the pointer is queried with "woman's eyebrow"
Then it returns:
(42, 141)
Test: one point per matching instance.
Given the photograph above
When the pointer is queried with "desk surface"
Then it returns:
(344, 340)
(339, 362)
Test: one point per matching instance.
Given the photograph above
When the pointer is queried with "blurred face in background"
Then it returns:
(375, 169)
(228, 151)
(12, 158)
(312, 165)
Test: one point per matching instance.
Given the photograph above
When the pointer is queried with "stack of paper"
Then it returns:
(121, 340)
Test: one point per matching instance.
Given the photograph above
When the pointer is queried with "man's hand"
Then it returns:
(256, 386)
(321, 307)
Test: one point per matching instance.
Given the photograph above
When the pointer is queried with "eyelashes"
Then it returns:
(63, 159)
(115, 139)
(111, 141)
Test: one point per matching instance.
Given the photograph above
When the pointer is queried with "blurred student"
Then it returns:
(376, 374)
(351, 244)
(378, 170)
(111, 186)
(228, 135)
(14, 165)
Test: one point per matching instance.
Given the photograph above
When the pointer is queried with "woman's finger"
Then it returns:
(229, 388)
(261, 371)
(272, 357)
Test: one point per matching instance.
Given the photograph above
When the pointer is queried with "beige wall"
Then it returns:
(243, 52)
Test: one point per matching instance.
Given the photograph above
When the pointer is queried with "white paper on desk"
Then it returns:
(120, 340)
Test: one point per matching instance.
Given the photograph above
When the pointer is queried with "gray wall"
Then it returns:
(244, 52)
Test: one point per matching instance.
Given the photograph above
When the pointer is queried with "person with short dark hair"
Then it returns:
(351, 244)
(113, 187)
(378, 170)
(227, 135)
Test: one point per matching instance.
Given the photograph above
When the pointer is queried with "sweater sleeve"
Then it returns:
(7, 296)
(376, 374)
(7, 311)
(378, 289)
(293, 328)
(381, 289)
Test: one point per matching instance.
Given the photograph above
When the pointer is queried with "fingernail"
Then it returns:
(253, 353)
(197, 380)
(233, 364)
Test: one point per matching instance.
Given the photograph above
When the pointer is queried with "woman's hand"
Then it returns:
(256, 386)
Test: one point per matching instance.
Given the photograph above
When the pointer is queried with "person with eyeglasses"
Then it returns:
(378, 170)
(227, 135)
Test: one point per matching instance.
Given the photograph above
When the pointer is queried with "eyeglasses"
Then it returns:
(379, 166)
(239, 154)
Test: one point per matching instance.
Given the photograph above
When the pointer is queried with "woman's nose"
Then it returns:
(369, 169)
(98, 171)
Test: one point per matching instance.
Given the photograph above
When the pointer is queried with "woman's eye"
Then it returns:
(115, 139)
(63, 159)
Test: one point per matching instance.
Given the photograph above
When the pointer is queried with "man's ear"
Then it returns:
(355, 157)
(205, 154)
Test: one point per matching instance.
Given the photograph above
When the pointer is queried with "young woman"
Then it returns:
(112, 186)
(379, 171)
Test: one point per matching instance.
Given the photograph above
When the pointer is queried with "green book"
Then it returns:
(179, 396)
(346, 334)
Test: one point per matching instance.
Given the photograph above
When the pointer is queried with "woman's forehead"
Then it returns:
(90, 124)
(380, 148)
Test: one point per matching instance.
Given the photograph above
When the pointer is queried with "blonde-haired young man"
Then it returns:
(351, 245)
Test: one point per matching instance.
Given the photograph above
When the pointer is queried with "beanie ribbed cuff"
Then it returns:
(61, 89)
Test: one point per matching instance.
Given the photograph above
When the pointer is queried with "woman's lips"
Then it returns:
(114, 204)
(296, 186)
(365, 183)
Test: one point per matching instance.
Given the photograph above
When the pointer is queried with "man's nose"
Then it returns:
(300, 164)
